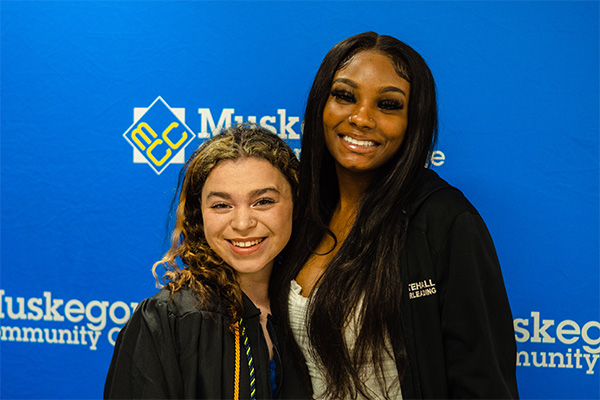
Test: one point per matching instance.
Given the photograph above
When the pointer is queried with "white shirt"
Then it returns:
(298, 306)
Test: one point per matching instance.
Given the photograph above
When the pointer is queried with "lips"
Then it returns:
(245, 243)
(358, 146)
(356, 142)
(245, 246)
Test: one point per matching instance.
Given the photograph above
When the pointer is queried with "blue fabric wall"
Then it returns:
(83, 214)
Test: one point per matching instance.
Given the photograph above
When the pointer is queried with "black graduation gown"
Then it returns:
(174, 349)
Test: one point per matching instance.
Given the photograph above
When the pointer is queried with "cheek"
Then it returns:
(396, 130)
(328, 125)
(289, 223)
(332, 112)
(284, 223)
(208, 236)
(328, 142)
(210, 228)
(396, 145)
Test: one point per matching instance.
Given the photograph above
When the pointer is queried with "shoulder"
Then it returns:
(437, 199)
(174, 321)
(441, 211)
(183, 302)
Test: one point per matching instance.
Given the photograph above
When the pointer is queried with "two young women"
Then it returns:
(392, 288)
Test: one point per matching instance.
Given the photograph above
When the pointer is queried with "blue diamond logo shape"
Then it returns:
(159, 135)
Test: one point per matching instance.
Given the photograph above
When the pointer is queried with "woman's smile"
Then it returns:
(357, 144)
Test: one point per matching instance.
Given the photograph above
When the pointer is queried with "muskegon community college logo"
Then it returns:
(159, 135)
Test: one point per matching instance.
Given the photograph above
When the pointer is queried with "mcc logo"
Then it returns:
(159, 135)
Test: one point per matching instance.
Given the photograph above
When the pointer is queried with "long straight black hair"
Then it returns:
(364, 277)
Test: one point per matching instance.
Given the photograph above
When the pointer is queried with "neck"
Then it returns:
(257, 290)
(352, 187)
(256, 287)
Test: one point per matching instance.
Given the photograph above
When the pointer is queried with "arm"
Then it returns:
(144, 363)
(477, 329)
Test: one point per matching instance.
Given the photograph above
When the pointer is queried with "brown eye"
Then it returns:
(264, 202)
(391, 105)
(343, 95)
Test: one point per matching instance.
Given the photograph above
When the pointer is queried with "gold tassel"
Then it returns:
(236, 377)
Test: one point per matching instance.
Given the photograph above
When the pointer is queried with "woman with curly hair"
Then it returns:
(208, 333)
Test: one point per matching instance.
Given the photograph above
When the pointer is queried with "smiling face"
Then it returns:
(366, 114)
(247, 210)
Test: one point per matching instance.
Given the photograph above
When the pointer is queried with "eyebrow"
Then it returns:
(254, 193)
(386, 89)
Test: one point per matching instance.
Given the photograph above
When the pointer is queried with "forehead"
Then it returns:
(244, 175)
(371, 66)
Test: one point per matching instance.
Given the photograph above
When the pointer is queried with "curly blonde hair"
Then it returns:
(190, 261)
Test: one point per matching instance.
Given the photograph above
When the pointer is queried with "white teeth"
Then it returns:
(365, 143)
(246, 244)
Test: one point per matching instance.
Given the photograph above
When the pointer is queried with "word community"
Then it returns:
(76, 336)
(551, 336)
(555, 359)
(43, 313)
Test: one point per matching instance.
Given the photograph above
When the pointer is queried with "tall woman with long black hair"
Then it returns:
(393, 288)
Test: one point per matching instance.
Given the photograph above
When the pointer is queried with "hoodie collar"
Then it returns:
(429, 183)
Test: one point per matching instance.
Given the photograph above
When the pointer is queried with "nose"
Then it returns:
(361, 117)
(243, 219)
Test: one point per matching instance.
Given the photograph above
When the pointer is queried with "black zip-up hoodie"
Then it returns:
(457, 321)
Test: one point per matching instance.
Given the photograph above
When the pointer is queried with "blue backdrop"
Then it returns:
(102, 100)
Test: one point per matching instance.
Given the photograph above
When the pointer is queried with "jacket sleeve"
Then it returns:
(144, 363)
(476, 320)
